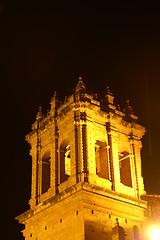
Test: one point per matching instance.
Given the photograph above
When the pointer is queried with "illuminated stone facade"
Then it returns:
(86, 171)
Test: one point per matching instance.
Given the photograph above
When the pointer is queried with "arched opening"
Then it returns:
(125, 168)
(45, 172)
(65, 162)
(101, 158)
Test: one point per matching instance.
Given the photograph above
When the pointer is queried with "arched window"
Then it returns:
(136, 233)
(65, 162)
(101, 158)
(45, 172)
(125, 168)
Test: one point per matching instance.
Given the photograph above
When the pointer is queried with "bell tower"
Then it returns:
(86, 171)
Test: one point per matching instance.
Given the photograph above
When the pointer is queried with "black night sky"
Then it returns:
(45, 46)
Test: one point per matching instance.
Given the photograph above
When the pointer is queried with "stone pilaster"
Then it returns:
(84, 144)
(111, 160)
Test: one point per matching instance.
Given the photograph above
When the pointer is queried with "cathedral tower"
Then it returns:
(86, 171)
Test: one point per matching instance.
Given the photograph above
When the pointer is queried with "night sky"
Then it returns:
(45, 47)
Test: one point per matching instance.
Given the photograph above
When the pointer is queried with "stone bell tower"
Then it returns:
(86, 171)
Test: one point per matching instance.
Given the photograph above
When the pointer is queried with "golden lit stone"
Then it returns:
(86, 171)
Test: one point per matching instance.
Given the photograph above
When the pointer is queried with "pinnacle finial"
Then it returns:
(129, 109)
(80, 85)
(39, 114)
(109, 96)
(108, 91)
(80, 78)
(117, 223)
(55, 94)
(53, 98)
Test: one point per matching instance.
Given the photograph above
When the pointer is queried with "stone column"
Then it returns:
(38, 167)
(111, 164)
(56, 158)
(134, 168)
(78, 146)
(33, 153)
(84, 146)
